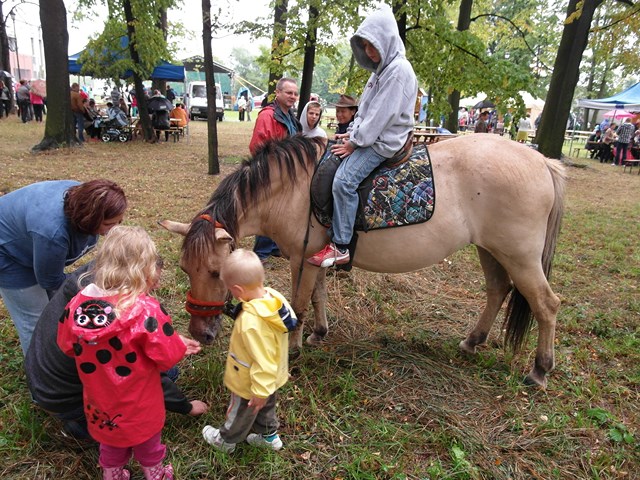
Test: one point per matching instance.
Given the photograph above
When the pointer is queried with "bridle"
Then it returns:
(202, 308)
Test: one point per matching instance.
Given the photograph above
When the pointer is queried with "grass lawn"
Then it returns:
(387, 396)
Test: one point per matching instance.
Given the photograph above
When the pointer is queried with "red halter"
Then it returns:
(200, 307)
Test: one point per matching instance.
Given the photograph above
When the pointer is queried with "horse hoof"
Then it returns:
(536, 381)
(466, 348)
(314, 339)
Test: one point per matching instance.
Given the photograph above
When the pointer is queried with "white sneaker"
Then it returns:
(213, 438)
(269, 441)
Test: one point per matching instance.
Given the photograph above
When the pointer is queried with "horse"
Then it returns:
(503, 197)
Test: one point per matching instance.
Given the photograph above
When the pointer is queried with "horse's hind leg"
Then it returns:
(534, 287)
(498, 286)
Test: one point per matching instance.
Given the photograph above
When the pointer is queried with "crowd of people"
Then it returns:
(121, 107)
(31, 106)
(610, 142)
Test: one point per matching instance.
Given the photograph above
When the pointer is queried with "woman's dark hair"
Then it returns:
(89, 204)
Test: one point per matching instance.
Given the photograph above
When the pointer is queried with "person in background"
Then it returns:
(93, 120)
(609, 137)
(242, 103)
(121, 339)
(482, 125)
(45, 227)
(249, 106)
(275, 121)
(53, 378)
(23, 97)
(594, 142)
(346, 109)
(310, 120)
(181, 114)
(524, 127)
(625, 134)
(37, 103)
(170, 94)
(258, 359)
(77, 108)
(5, 100)
(381, 129)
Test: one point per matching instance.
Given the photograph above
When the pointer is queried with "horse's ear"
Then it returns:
(175, 227)
(222, 235)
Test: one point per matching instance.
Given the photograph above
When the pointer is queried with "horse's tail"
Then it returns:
(518, 316)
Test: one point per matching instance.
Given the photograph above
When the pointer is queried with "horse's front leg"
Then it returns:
(301, 292)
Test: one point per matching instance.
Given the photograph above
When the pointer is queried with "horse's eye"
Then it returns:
(215, 274)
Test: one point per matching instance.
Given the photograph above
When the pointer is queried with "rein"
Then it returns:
(203, 308)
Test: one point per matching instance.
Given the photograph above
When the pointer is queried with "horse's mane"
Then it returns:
(248, 184)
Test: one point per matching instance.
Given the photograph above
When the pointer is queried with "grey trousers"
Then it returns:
(241, 421)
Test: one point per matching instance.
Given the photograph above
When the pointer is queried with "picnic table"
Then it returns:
(429, 135)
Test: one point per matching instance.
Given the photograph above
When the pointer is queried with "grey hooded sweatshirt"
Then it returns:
(386, 110)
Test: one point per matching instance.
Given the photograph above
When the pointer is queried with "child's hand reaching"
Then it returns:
(198, 408)
(257, 403)
(193, 346)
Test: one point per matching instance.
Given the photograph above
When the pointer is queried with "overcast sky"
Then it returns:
(190, 15)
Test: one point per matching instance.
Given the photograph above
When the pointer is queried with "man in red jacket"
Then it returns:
(275, 121)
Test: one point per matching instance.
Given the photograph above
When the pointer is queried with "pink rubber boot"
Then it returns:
(158, 472)
(115, 473)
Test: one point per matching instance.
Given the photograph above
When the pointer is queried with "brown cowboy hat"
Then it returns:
(346, 101)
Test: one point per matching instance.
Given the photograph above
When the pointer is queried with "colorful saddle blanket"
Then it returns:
(392, 196)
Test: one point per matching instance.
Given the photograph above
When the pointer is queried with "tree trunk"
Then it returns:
(212, 121)
(464, 21)
(143, 110)
(566, 70)
(58, 129)
(5, 57)
(278, 39)
(309, 59)
(163, 25)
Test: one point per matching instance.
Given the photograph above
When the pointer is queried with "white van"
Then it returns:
(195, 99)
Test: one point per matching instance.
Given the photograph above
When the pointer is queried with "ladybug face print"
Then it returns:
(94, 314)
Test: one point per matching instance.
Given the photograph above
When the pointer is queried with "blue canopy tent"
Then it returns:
(164, 71)
(628, 99)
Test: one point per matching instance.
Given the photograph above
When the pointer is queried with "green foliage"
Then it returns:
(106, 57)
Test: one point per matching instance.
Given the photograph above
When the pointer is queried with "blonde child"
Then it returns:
(257, 362)
(121, 339)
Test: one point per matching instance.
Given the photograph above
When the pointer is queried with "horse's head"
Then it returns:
(205, 247)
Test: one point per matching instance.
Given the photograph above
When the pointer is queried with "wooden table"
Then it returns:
(429, 136)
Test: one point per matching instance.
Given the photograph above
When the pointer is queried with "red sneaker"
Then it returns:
(329, 256)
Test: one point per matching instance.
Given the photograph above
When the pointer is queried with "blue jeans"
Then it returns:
(351, 172)
(25, 306)
(265, 247)
(621, 152)
(78, 124)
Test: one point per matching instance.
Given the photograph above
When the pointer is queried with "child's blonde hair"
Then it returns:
(242, 267)
(126, 264)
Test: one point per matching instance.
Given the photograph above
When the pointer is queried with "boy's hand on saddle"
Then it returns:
(198, 408)
(343, 149)
(193, 346)
(257, 403)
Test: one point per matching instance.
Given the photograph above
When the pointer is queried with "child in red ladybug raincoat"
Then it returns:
(121, 339)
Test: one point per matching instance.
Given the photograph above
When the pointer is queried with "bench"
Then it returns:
(630, 162)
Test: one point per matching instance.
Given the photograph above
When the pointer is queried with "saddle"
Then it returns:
(399, 192)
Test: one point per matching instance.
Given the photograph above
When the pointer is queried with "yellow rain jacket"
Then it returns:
(258, 359)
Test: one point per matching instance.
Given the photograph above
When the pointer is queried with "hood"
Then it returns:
(381, 30)
(274, 310)
(94, 318)
(306, 128)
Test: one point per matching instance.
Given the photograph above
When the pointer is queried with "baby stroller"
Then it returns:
(116, 127)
